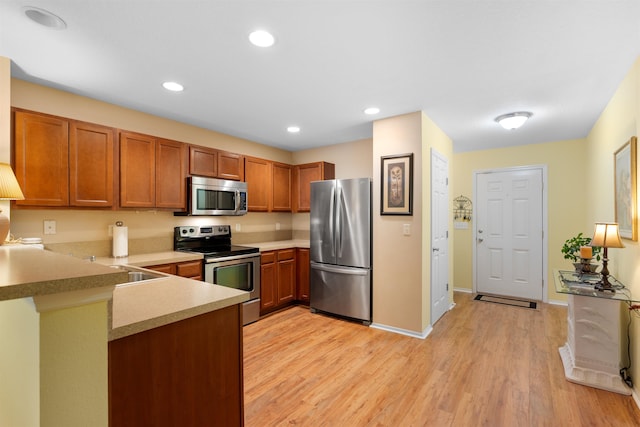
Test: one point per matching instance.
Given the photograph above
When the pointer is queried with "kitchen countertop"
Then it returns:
(27, 272)
(146, 260)
(141, 306)
(279, 244)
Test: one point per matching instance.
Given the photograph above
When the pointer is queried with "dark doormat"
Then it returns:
(506, 301)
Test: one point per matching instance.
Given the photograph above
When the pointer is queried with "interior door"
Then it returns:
(509, 233)
(439, 236)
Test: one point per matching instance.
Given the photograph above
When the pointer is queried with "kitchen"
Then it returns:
(403, 307)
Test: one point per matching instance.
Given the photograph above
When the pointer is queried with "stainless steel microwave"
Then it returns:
(210, 196)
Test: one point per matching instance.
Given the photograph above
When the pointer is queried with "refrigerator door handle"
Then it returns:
(332, 221)
(338, 213)
(340, 270)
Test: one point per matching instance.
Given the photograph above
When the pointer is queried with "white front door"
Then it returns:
(509, 233)
(439, 236)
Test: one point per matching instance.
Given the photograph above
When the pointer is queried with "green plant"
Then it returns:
(571, 248)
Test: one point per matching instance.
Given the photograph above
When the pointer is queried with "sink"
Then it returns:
(137, 274)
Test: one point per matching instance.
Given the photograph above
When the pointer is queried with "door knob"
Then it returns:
(480, 240)
(436, 249)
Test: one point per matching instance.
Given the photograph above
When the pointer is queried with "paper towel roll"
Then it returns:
(120, 242)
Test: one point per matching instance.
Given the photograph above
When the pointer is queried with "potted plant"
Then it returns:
(571, 250)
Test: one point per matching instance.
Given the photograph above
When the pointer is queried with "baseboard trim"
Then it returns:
(636, 397)
(401, 331)
(558, 302)
(465, 290)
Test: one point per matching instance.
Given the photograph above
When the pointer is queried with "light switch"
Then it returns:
(49, 226)
(406, 229)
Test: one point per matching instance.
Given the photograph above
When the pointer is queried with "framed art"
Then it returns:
(624, 166)
(396, 195)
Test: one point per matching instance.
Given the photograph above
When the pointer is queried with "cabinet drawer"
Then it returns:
(267, 257)
(286, 254)
(163, 268)
(189, 269)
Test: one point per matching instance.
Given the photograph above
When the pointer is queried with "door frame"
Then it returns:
(545, 222)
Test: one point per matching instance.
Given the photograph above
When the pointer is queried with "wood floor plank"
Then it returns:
(483, 364)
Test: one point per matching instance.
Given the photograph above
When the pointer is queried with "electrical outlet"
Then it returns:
(238, 227)
(49, 226)
(406, 229)
(110, 230)
(277, 226)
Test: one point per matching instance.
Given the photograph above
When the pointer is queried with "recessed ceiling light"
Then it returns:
(371, 110)
(44, 17)
(261, 38)
(513, 120)
(173, 86)
(293, 129)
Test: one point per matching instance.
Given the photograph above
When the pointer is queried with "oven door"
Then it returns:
(238, 272)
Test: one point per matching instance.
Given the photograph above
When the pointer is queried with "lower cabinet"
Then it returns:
(188, 269)
(187, 373)
(302, 272)
(277, 279)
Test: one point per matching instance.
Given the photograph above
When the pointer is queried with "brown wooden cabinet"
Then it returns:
(152, 172)
(186, 373)
(302, 272)
(170, 174)
(204, 161)
(304, 174)
(230, 166)
(277, 279)
(257, 174)
(281, 187)
(62, 162)
(188, 269)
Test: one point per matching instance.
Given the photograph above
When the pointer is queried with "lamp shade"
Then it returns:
(606, 235)
(9, 188)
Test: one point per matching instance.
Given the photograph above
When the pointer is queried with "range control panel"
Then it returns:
(204, 231)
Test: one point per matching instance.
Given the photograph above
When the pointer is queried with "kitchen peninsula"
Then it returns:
(107, 348)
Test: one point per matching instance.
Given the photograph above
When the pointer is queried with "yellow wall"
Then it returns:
(566, 198)
(19, 328)
(618, 122)
(401, 264)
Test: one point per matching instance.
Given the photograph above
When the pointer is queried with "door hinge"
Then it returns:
(447, 180)
(542, 283)
(447, 286)
(447, 234)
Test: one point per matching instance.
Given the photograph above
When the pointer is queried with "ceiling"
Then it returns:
(461, 62)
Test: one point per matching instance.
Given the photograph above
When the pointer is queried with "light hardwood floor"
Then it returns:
(484, 364)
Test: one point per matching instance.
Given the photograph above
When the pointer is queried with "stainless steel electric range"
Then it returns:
(224, 264)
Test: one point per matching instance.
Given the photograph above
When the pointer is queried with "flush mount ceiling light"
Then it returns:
(261, 38)
(293, 129)
(371, 110)
(173, 86)
(513, 120)
(44, 18)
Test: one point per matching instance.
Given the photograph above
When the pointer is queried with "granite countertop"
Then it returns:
(28, 272)
(146, 260)
(141, 306)
(280, 244)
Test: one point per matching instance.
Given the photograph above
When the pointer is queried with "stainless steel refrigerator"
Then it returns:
(340, 248)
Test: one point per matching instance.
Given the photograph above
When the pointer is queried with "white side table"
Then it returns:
(593, 352)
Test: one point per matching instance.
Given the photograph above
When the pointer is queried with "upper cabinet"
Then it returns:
(152, 172)
(257, 174)
(63, 162)
(303, 176)
(281, 187)
(214, 163)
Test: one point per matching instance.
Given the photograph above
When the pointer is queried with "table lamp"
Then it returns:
(606, 235)
(9, 190)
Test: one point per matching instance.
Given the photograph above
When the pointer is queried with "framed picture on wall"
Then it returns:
(625, 189)
(396, 195)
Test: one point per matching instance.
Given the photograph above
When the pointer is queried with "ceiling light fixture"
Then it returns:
(173, 86)
(513, 120)
(293, 129)
(261, 38)
(371, 110)
(44, 18)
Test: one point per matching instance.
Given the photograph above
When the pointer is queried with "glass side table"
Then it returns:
(593, 352)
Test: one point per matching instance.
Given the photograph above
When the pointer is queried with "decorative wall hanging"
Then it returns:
(625, 190)
(462, 208)
(396, 194)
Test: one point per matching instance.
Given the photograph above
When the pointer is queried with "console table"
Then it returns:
(596, 331)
